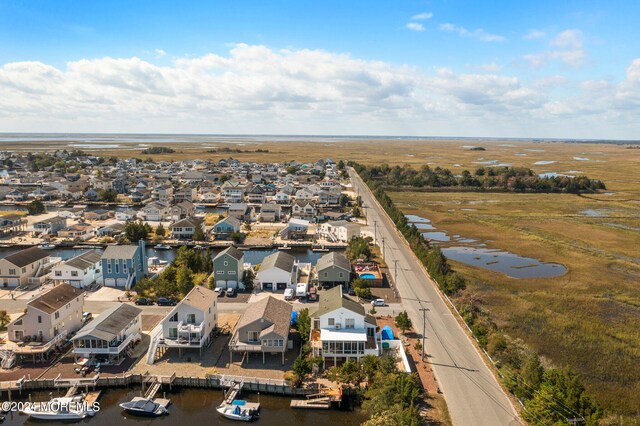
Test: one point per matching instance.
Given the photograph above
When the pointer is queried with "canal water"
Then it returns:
(475, 253)
(191, 407)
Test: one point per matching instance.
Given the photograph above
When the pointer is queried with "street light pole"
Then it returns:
(383, 248)
(424, 329)
(375, 232)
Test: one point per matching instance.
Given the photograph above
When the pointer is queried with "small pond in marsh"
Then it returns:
(473, 252)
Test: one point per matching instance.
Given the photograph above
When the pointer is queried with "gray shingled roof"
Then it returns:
(119, 252)
(110, 322)
(55, 298)
(333, 259)
(84, 260)
(333, 299)
(279, 260)
(231, 251)
(200, 298)
(276, 313)
(27, 256)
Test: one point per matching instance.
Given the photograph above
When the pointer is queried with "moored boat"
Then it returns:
(64, 408)
(163, 247)
(238, 410)
(144, 407)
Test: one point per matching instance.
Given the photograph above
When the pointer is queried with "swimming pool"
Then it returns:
(368, 276)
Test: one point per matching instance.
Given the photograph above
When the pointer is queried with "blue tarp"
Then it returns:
(387, 333)
(294, 317)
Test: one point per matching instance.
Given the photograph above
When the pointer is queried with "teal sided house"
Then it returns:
(228, 268)
(123, 266)
(226, 227)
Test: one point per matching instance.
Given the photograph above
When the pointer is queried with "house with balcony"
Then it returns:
(184, 229)
(191, 323)
(110, 337)
(227, 226)
(256, 195)
(50, 226)
(228, 268)
(124, 265)
(240, 211)
(340, 230)
(186, 194)
(21, 267)
(270, 213)
(155, 211)
(305, 210)
(46, 323)
(263, 328)
(183, 210)
(80, 271)
(10, 223)
(333, 269)
(341, 330)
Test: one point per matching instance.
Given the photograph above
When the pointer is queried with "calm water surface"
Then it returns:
(191, 407)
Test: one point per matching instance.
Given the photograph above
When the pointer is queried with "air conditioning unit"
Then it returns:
(338, 326)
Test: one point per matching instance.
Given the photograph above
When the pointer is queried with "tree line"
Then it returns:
(512, 179)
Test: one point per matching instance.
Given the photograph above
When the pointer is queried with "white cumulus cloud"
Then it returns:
(415, 26)
(258, 89)
(422, 16)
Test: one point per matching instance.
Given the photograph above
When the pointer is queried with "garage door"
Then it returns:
(267, 286)
(110, 282)
(282, 286)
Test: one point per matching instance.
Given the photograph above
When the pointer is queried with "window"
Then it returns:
(226, 263)
(326, 274)
(332, 321)
(117, 267)
(231, 272)
(73, 273)
(24, 270)
(191, 318)
(349, 323)
(58, 273)
(39, 319)
(109, 267)
(341, 274)
(12, 272)
(252, 336)
(124, 267)
(57, 315)
(174, 318)
(173, 333)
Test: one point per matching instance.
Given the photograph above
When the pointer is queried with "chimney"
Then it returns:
(143, 256)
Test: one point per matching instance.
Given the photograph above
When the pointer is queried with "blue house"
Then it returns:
(123, 266)
(226, 227)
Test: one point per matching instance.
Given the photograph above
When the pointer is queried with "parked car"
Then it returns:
(231, 292)
(288, 294)
(377, 302)
(352, 292)
(312, 296)
(143, 301)
(164, 301)
(86, 317)
(220, 291)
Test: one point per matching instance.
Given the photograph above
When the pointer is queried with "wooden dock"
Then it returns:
(92, 397)
(313, 404)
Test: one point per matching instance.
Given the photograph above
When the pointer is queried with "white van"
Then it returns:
(301, 290)
(288, 294)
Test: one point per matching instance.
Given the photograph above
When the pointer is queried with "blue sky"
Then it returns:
(541, 69)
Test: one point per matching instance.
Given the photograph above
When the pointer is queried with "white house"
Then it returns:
(340, 230)
(80, 271)
(48, 319)
(191, 323)
(155, 212)
(341, 330)
(278, 271)
(109, 337)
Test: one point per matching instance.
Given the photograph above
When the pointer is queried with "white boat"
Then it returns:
(47, 246)
(236, 411)
(163, 247)
(64, 408)
(144, 407)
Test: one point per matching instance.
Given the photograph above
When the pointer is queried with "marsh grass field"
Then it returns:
(588, 318)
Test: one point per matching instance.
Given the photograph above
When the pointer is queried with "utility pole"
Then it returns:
(395, 273)
(424, 329)
(375, 232)
(382, 248)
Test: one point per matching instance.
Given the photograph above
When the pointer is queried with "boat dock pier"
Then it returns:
(232, 393)
(318, 401)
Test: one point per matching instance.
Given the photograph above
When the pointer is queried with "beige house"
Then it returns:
(47, 321)
(17, 268)
(264, 327)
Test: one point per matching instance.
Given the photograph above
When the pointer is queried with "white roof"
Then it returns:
(350, 335)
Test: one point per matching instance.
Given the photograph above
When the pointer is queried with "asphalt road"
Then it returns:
(472, 393)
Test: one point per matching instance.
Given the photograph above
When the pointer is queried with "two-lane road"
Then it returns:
(473, 394)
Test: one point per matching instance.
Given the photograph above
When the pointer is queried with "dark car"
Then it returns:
(352, 292)
(231, 292)
(164, 301)
(312, 296)
(143, 301)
